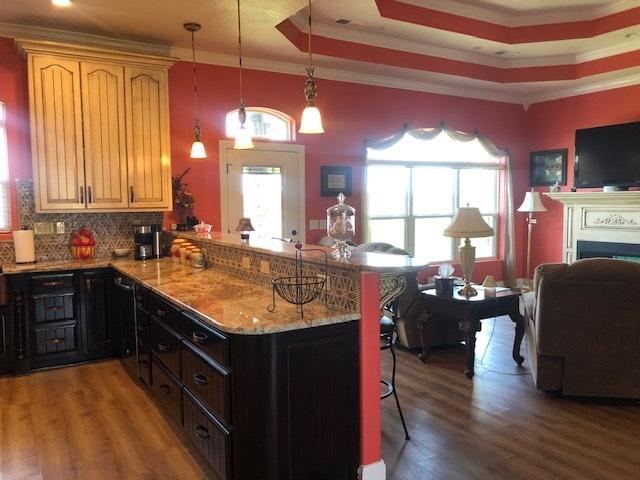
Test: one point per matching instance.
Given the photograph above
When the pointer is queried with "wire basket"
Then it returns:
(300, 289)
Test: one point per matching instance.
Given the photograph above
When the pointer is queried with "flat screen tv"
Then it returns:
(608, 156)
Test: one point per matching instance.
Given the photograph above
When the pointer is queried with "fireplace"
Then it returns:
(620, 251)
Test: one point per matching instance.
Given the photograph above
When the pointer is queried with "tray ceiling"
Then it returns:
(516, 51)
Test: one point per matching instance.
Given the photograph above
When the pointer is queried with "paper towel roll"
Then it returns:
(24, 246)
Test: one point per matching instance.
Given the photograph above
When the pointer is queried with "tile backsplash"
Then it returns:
(111, 230)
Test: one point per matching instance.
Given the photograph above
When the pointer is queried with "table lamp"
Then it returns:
(468, 223)
(244, 227)
(531, 203)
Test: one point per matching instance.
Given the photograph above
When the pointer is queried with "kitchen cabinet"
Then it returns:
(99, 129)
(101, 325)
(6, 339)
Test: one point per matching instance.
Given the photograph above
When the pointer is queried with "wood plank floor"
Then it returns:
(498, 426)
(94, 422)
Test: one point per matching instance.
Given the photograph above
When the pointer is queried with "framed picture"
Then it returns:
(548, 167)
(334, 180)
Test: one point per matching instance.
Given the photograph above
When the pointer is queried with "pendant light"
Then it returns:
(243, 136)
(311, 121)
(197, 147)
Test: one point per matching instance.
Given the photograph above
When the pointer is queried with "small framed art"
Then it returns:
(334, 180)
(548, 167)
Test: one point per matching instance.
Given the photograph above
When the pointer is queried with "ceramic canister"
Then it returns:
(175, 249)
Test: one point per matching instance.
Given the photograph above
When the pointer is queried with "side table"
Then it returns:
(468, 312)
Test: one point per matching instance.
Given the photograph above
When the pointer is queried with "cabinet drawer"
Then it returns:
(167, 391)
(165, 345)
(53, 308)
(142, 321)
(52, 340)
(164, 311)
(144, 365)
(207, 383)
(48, 283)
(206, 338)
(209, 437)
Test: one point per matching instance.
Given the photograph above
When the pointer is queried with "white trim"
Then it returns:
(271, 146)
(373, 471)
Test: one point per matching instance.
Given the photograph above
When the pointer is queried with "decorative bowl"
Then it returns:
(121, 252)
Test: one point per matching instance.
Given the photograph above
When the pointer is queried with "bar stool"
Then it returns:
(387, 331)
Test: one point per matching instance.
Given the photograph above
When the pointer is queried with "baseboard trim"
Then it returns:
(373, 471)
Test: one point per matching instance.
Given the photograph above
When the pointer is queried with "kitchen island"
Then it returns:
(245, 383)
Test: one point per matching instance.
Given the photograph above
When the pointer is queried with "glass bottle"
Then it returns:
(341, 227)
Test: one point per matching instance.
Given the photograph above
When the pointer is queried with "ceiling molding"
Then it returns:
(508, 35)
(39, 33)
(512, 17)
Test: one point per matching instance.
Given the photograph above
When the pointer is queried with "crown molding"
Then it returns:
(513, 18)
(97, 41)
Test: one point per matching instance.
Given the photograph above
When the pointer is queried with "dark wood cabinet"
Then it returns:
(101, 324)
(6, 339)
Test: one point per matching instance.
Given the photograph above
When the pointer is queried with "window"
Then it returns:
(415, 184)
(263, 123)
(5, 205)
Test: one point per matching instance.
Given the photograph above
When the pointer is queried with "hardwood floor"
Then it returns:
(87, 422)
(498, 426)
(94, 422)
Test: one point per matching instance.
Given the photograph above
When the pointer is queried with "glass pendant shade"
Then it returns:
(197, 150)
(243, 139)
(311, 121)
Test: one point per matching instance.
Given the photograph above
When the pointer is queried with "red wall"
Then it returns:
(13, 93)
(552, 125)
(351, 114)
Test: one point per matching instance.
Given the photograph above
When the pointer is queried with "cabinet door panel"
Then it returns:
(56, 136)
(147, 139)
(103, 113)
(101, 326)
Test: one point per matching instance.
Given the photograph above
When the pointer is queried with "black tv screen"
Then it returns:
(608, 156)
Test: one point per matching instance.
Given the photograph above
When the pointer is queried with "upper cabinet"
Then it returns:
(99, 129)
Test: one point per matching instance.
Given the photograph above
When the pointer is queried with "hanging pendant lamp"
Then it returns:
(243, 135)
(197, 147)
(311, 121)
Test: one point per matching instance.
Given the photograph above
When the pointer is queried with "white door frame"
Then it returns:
(264, 146)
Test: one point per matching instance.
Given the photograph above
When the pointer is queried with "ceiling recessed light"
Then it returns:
(61, 3)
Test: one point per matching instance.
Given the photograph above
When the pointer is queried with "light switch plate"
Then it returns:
(313, 224)
(246, 263)
(322, 224)
(59, 227)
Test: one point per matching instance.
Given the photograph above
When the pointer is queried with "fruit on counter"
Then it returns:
(82, 244)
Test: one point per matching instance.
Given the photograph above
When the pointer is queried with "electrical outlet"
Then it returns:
(313, 224)
(59, 228)
(327, 281)
(246, 263)
(265, 267)
(322, 224)
(42, 228)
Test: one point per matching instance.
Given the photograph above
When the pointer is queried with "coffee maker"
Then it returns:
(143, 242)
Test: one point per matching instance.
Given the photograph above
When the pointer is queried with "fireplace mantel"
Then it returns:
(598, 217)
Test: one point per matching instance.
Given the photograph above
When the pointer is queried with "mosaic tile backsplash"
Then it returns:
(111, 230)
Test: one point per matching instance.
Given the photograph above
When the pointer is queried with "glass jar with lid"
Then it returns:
(341, 227)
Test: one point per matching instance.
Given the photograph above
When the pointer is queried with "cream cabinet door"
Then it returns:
(56, 136)
(149, 163)
(105, 154)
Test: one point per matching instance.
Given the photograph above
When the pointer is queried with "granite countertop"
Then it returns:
(367, 261)
(228, 303)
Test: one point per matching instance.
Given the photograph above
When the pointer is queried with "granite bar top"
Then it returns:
(359, 261)
(227, 302)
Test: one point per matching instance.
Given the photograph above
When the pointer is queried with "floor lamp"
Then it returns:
(532, 203)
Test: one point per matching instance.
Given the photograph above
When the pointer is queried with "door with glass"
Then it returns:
(265, 184)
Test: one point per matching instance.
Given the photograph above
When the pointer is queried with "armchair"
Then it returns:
(583, 334)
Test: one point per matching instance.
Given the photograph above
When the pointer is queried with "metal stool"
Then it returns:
(387, 329)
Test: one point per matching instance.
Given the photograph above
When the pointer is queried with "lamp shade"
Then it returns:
(532, 203)
(243, 139)
(244, 225)
(468, 223)
(311, 121)
(197, 150)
